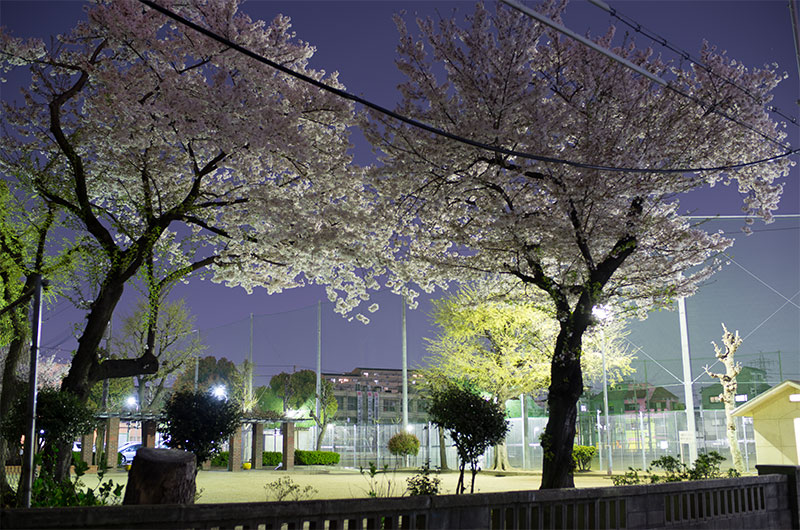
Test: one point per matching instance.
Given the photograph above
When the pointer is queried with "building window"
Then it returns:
(352, 402)
(390, 405)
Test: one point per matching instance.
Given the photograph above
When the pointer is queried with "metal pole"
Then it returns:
(250, 367)
(600, 439)
(196, 362)
(405, 373)
(30, 435)
(610, 458)
(319, 356)
(687, 380)
(524, 415)
(641, 438)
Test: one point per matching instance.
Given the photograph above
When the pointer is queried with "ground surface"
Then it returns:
(338, 483)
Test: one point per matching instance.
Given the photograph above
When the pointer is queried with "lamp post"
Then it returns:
(603, 314)
(219, 391)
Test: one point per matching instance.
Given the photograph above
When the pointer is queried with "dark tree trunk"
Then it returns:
(442, 450)
(86, 369)
(566, 386)
(161, 476)
(8, 393)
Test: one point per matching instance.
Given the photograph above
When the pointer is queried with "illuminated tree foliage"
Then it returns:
(505, 347)
(175, 346)
(582, 234)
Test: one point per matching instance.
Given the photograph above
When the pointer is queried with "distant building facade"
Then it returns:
(631, 397)
(374, 395)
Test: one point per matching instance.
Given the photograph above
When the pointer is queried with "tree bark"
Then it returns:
(161, 476)
(566, 386)
(442, 450)
(322, 428)
(9, 389)
(500, 460)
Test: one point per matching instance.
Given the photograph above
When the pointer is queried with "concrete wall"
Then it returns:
(748, 502)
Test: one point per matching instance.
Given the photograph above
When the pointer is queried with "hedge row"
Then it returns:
(315, 458)
(272, 459)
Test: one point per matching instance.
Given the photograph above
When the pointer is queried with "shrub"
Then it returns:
(315, 458)
(285, 489)
(220, 459)
(271, 458)
(422, 483)
(200, 423)
(404, 443)
(582, 455)
(705, 467)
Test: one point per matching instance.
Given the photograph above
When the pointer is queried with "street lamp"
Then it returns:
(218, 391)
(603, 314)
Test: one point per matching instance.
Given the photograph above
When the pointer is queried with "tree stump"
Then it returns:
(161, 476)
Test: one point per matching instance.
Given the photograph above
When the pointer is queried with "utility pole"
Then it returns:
(30, 434)
(405, 368)
(687, 381)
(319, 357)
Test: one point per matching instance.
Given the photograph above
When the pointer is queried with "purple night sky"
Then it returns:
(758, 294)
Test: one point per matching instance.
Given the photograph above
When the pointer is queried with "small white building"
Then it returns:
(776, 422)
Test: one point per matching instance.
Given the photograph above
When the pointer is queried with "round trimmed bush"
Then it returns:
(404, 443)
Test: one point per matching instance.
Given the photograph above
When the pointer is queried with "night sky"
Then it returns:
(758, 293)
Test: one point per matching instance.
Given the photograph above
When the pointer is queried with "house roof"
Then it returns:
(747, 408)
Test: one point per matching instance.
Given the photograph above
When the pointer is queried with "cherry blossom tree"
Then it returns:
(136, 127)
(582, 234)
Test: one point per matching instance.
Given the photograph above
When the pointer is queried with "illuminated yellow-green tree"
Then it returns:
(505, 348)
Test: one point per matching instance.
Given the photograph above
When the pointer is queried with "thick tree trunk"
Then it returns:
(500, 459)
(8, 392)
(566, 386)
(161, 476)
(442, 450)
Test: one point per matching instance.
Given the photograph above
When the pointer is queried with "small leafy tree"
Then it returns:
(295, 388)
(582, 455)
(173, 344)
(199, 423)
(474, 424)
(403, 443)
(327, 410)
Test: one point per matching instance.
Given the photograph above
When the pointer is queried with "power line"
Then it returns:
(586, 42)
(440, 132)
(655, 37)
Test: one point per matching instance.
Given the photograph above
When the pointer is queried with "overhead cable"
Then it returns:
(440, 132)
(709, 108)
(655, 37)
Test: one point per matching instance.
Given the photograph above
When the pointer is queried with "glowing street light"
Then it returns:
(218, 391)
(131, 402)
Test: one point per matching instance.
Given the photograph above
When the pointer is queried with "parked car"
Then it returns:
(127, 451)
